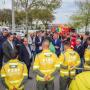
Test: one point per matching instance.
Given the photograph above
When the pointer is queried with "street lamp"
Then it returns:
(13, 17)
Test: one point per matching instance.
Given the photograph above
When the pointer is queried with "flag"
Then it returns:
(59, 29)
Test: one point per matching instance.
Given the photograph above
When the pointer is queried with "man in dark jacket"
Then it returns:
(18, 43)
(8, 48)
(38, 42)
(1, 55)
(25, 54)
(3, 38)
(57, 43)
(84, 42)
(80, 50)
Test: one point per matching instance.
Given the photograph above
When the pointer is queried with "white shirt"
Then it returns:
(28, 49)
(11, 43)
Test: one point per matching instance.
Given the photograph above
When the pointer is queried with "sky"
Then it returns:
(62, 14)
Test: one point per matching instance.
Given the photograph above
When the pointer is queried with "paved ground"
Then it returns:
(31, 84)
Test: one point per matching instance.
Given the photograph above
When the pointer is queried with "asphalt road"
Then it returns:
(31, 84)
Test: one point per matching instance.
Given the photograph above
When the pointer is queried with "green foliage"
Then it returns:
(82, 17)
(32, 10)
(19, 17)
(5, 16)
(41, 10)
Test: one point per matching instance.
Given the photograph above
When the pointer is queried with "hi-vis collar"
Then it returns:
(13, 63)
(88, 47)
(48, 54)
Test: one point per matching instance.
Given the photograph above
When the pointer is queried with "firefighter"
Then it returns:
(14, 74)
(68, 60)
(45, 67)
(81, 82)
(87, 55)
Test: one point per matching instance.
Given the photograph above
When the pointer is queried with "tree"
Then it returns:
(19, 17)
(82, 18)
(46, 17)
(41, 15)
(5, 16)
(35, 7)
(76, 21)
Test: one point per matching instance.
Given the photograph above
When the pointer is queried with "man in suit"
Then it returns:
(57, 43)
(8, 48)
(84, 42)
(18, 43)
(38, 42)
(1, 55)
(25, 54)
(3, 38)
(80, 50)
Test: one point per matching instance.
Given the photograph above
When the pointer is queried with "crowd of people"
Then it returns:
(51, 53)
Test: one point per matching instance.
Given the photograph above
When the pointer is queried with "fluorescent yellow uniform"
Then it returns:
(46, 63)
(67, 60)
(87, 59)
(13, 73)
(81, 82)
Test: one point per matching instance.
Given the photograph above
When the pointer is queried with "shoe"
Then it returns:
(30, 78)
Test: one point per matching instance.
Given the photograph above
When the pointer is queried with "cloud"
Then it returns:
(68, 8)
(65, 11)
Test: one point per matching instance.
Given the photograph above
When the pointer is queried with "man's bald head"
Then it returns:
(46, 44)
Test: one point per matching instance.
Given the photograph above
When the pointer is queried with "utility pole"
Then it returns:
(26, 21)
(87, 17)
(13, 17)
(26, 12)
